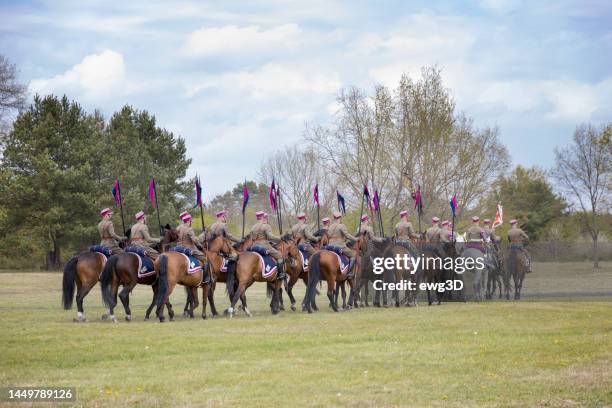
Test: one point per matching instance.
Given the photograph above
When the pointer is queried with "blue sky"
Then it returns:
(237, 79)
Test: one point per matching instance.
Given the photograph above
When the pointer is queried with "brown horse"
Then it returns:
(83, 272)
(324, 265)
(122, 270)
(248, 271)
(172, 268)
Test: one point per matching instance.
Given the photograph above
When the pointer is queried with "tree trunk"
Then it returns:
(595, 252)
(53, 257)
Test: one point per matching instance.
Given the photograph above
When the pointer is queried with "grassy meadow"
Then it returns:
(553, 353)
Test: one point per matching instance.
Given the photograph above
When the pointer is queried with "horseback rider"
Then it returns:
(404, 233)
(108, 236)
(261, 233)
(303, 235)
(445, 233)
(475, 233)
(517, 238)
(180, 217)
(140, 236)
(326, 221)
(220, 228)
(432, 237)
(367, 229)
(490, 233)
(338, 235)
(188, 239)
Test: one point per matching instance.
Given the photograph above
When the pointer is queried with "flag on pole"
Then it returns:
(315, 194)
(366, 193)
(453, 205)
(152, 192)
(245, 197)
(499, 216)
(376, 201)
(341, 203)
(272, 196)
(418, 200)
(117, 193)
(198, 189)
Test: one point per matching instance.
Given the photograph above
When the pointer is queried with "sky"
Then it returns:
(240, 79)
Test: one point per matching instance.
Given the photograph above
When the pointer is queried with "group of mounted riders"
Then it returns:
(321, 253)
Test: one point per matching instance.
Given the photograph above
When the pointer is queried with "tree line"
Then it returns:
(58, 164)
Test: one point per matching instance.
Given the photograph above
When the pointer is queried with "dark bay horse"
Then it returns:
(324, 265)
(122, 270)
(173, 269)
(404, 272)
(516, 266)
(248, 271)
(433, 273)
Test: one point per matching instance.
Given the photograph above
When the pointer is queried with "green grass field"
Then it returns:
(527, 353)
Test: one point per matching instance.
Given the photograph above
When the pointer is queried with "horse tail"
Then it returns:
(230, 280)
(69, 282)
(163, 280)
(314, 275)
(189, 293)
(107, 278)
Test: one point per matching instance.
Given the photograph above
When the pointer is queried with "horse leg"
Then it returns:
(125, 300)
(194, 297)
(211, 300)
(82, 291)
(160, 311)
(148, 313)
(205, 290)
(237, 295)
(366, 294)
(245, 307)
(280, 298)
(170, 311)
(331, 292)
(290, 294)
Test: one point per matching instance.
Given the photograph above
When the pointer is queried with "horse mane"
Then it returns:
(287, 237)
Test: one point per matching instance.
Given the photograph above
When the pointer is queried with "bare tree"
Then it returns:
(584, 170)
(394, 140)
(12, 92)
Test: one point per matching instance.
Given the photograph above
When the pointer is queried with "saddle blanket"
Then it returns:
(305, 256)
(101, 249)
(193, 264)
(145, 264)
(224, 265)
(268, 264)
(476, 245)
(342, 259)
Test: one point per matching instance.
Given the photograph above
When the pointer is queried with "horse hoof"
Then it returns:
(146, 318)
(185, 314)
(104, 316)
(113, 319)
(128, 318)
(293, 308)
(203, 317)
(247, 312)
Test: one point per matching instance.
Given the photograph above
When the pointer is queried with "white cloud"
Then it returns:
(231, 39)
(94, 76)
(270, 81)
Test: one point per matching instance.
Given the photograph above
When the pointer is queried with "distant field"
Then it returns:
(527, 353)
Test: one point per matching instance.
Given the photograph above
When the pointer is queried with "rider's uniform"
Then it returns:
(108, 237)
(140, 237)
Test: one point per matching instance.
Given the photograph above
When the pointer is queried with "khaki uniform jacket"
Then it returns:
(517, 235)
(218, 229)
(140, 236)
(187, 238)
(301, 231)
(475, 234)
(262, 233)
(432, 234)
(338, 234)
(404, 231)
(445, 235)
(490, 232)
(367, 229)
(108, 236)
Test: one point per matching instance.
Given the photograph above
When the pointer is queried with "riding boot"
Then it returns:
(528, 259)
(207, 278)
(281, 271)
(351, 272)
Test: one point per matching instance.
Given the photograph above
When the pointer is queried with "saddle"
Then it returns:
(342, 259)
(101, 249)
(194, 264)
(476, 245)
(146, 269)
(268, 264)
